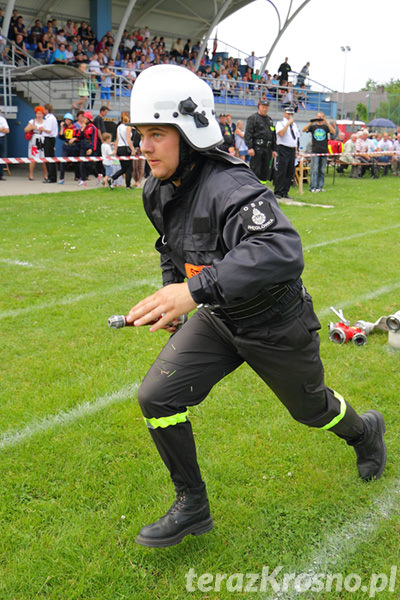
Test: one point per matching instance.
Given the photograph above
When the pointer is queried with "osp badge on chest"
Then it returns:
(257, 216)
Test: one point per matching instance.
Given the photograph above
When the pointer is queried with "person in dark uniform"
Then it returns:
(261, 142)
(283, 71)
(287, 139)
(228, 250)
(227, 134)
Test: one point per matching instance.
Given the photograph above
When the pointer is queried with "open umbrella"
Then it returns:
(381, 123)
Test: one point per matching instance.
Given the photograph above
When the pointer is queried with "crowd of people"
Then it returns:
(84, 136)
(76, 44)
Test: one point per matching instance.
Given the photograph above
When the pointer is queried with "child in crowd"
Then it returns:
(107, 153)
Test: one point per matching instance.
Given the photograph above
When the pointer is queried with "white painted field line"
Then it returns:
(385, 289)
(13, 437)
(74, 299)
(352, 237)
(336, 547)
(17, 263)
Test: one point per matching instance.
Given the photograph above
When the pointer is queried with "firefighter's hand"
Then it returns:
(251, 152)
(163, 307)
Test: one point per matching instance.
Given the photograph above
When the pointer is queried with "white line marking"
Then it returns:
(346, 540)
(19, 263)
(13, 437)
(351, 237)
(386, 289)
(73, 299)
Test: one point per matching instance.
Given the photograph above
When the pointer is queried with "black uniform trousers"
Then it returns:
(260, 163)
(49, 152)
(285, 172)
(285, 355)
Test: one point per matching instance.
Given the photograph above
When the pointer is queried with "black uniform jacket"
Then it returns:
(224, 231)
(259, 131)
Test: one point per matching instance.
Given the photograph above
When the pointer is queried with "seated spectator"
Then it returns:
(83, 31)
(91, 35)
(69, 30)
(69, 55)
(19, 50)
(348, 155)
(364, 157)
(385, 145)
(58, 57)
(60, 37)
(42, 51)
(94, 66)
(129, 72)
(36, 29)
(80, 56)
(396, 157)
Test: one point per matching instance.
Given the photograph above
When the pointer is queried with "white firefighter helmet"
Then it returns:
(173, 95)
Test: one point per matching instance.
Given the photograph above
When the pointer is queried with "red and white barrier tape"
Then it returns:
(391, 153)
(62, 159)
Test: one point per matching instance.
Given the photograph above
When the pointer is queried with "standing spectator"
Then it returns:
(50, 135)
(138, 164)
(87, 144)
(287, 142)
(106, 85)
(251, 62)
(227, 135)
(301, 77)
(241, 149)
(261, 141)
(83, 89)
(4, 130)
(69, 134)
(98, 121)
(107, 153)
(319, 129)
(35, 129)
(283, 71)
(396, 157)
(124, 147)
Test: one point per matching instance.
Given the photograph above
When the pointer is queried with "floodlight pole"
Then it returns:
(346, 50)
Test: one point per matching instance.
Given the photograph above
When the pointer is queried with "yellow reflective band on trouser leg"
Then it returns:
(163, 422)
(340, 416)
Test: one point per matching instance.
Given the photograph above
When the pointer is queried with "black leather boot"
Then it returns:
(189, 514)
(371, 449)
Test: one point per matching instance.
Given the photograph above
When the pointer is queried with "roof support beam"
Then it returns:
(214, 23)
(281, 30)
(121, 28)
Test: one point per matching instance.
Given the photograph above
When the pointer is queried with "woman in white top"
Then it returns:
(124, 147)
(36, 127)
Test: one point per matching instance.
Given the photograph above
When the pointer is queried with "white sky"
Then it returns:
(369, 27)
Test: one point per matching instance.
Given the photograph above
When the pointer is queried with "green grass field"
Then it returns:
(79, 474)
